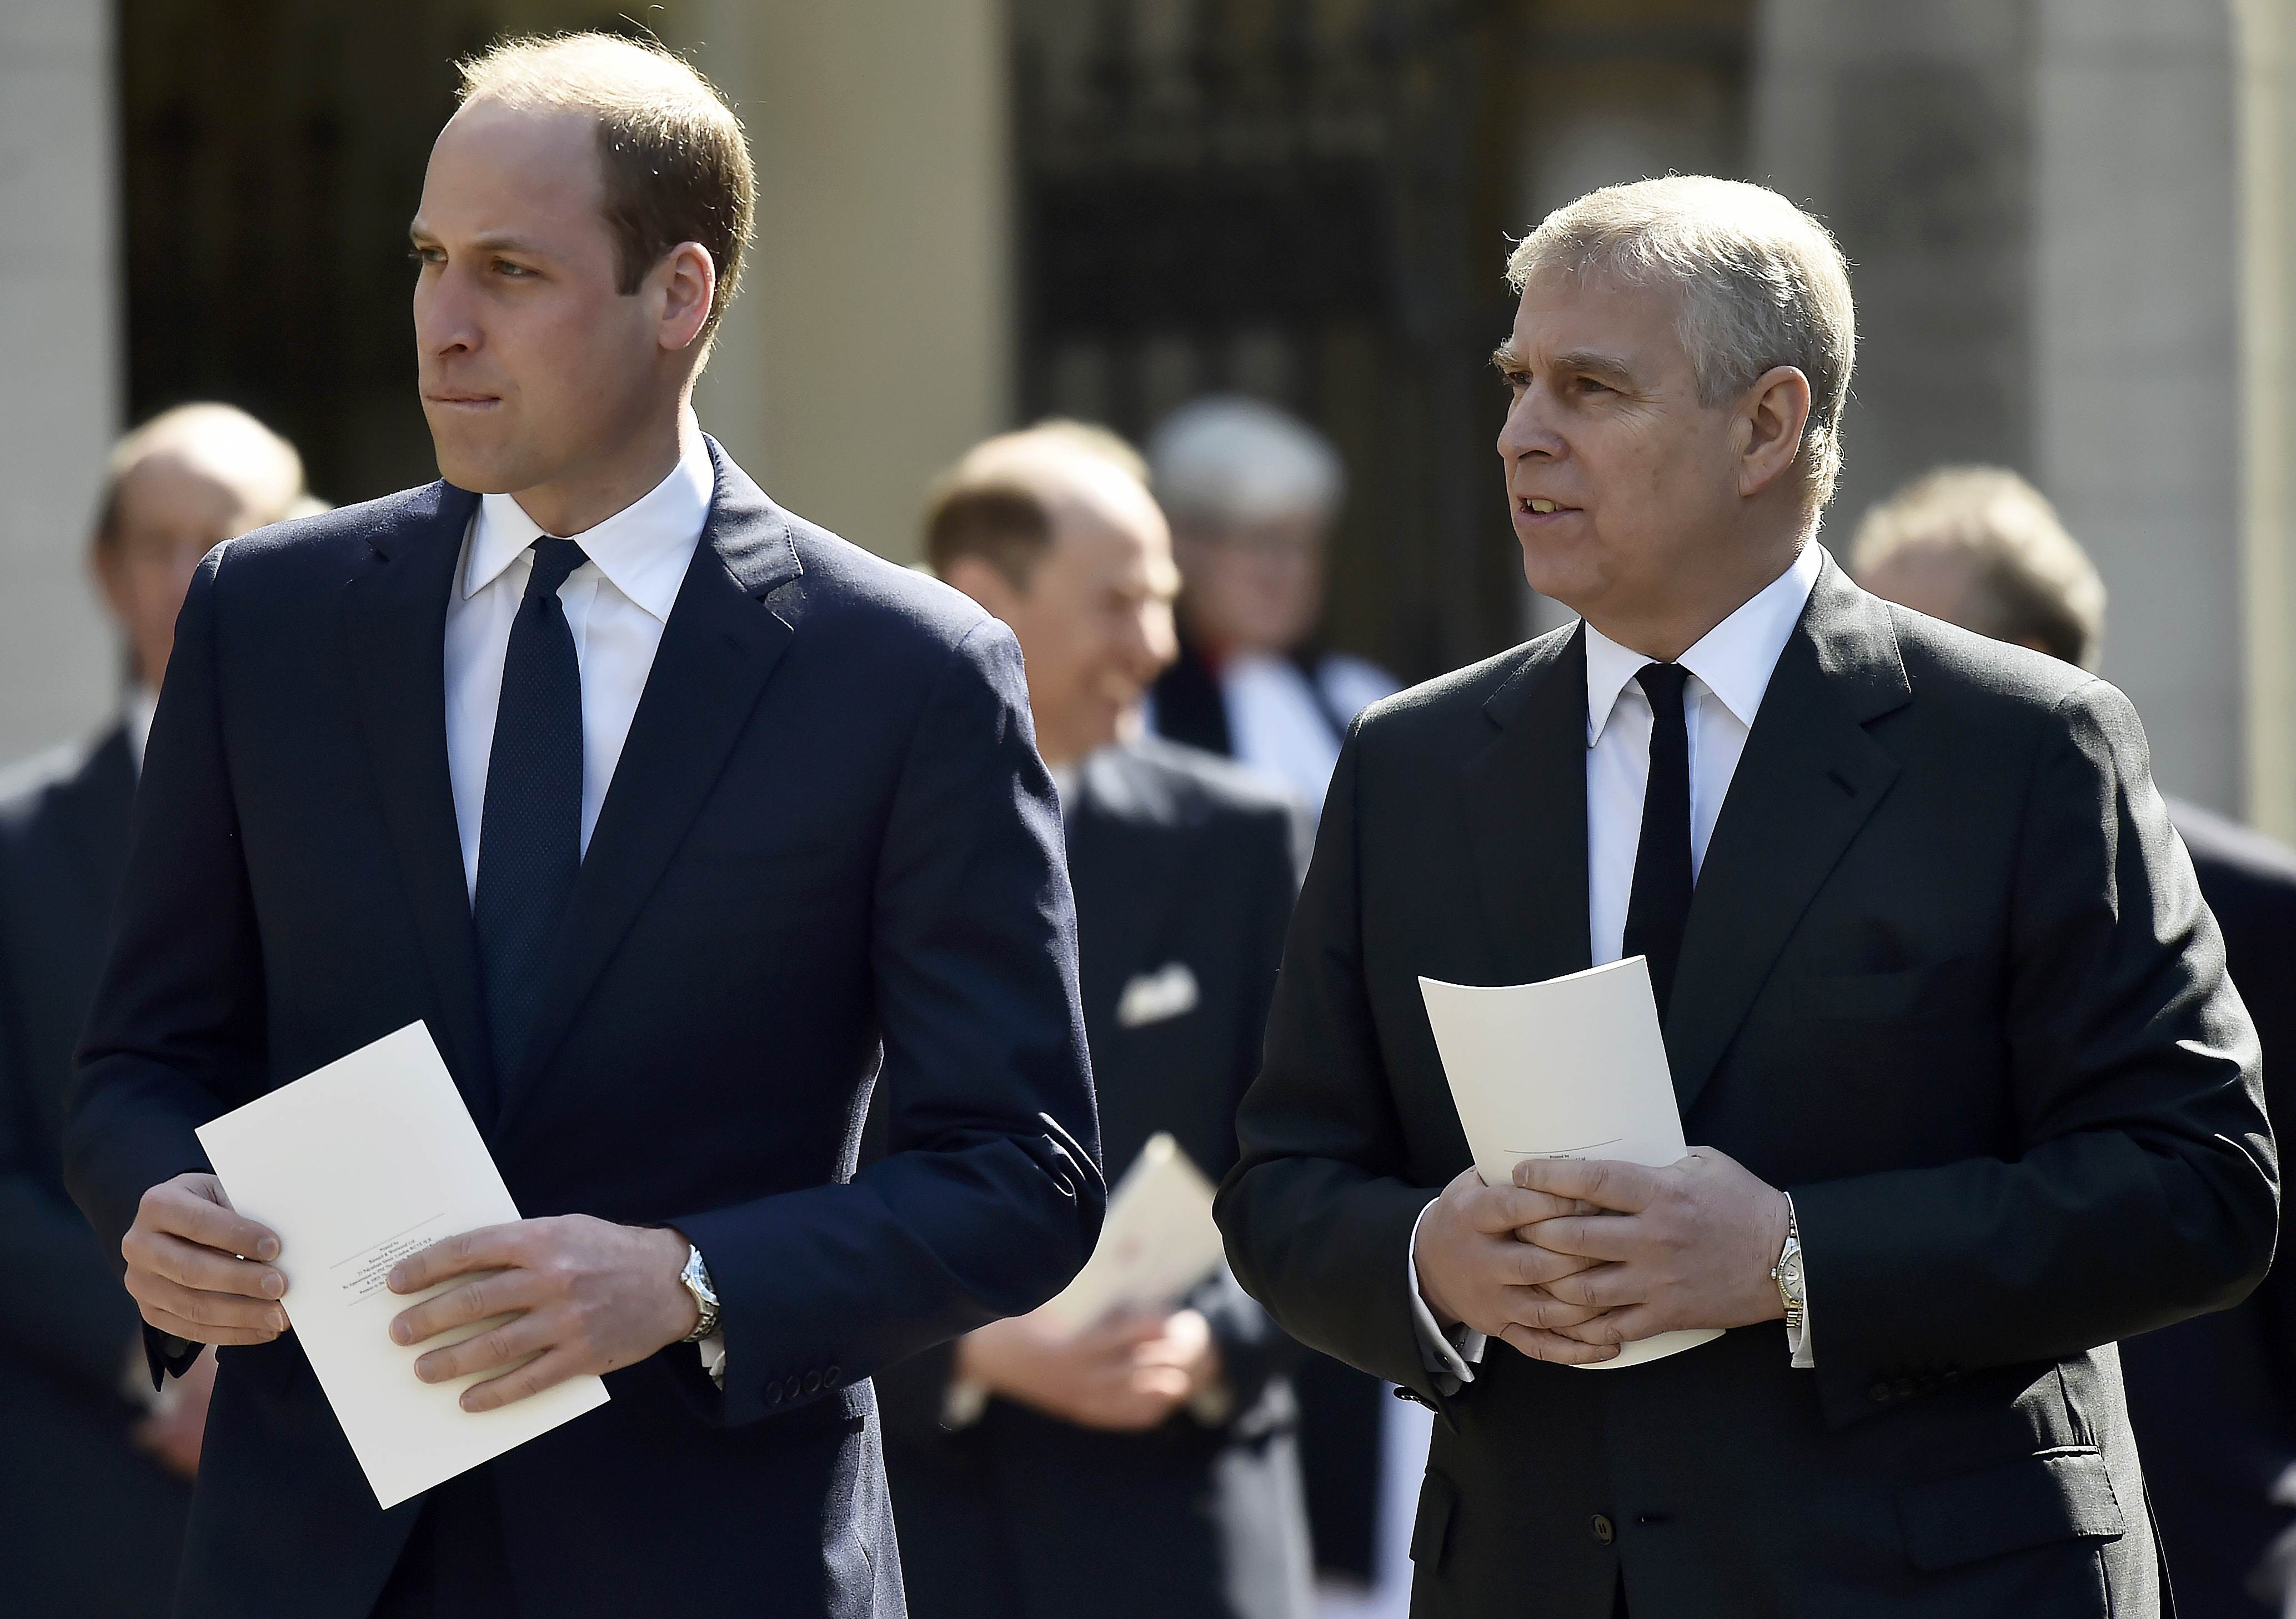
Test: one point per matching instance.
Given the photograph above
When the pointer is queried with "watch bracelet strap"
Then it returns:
(1793, 1240)
(706, 1327)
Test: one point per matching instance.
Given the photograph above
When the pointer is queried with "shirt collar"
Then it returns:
(142, 703)
(1734, 660)
(643, 549)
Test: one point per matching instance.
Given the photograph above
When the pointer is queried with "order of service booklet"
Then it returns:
(1157, 1242)
(1572, 1068)
(353, 1167)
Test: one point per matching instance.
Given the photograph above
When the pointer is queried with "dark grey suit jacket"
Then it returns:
(89, 1525)
(1180, 860)
(1948, 980)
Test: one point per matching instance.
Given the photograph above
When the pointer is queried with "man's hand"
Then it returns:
(1687, 1245)
(1479, 1264)
(178, 1422)
(576, 1294)
(198, 1270)
(1127, 1374)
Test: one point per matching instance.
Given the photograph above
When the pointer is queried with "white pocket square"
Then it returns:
(1152, 996)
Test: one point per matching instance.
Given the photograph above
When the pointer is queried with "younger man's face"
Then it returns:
(532, 362)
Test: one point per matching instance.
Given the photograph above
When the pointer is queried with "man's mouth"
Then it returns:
(1539, 505)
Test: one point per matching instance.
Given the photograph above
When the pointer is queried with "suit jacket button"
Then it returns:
(813, 1383)
(1905, 1388)
(773, 1394)
(832, 1377)
(1879, 1393)
(1603, 1529)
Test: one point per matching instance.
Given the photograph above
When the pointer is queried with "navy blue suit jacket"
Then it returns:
(829, 855)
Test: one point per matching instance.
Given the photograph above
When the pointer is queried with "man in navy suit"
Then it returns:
(2213, 1399)
(681, 823)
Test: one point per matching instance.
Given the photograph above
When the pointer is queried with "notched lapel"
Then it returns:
(1810, 780)
(394, 618)
(741, 600)
(1525, 805)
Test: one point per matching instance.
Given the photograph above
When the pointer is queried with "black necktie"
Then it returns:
(1658, 907)
(530, 831)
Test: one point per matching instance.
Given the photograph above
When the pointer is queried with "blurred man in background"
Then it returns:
(1143, 1467)
(1252, 493)
(2213, 1399)
(95, 1468)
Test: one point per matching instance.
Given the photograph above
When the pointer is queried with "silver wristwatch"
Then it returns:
(1787, 1272)
(696, 1277)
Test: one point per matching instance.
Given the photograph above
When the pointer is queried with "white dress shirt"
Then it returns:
(1730, 669)
(617, 604)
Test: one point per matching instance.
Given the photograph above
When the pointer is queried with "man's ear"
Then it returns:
(1775, 411)
(687, 280)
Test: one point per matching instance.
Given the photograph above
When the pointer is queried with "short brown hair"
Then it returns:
(1003, 524)
(670, 150)
(994, 503)
(2033, 584)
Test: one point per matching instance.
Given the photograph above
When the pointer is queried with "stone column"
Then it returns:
(2266, 35)
(2136, 355)
(59, 370)
(873, 342)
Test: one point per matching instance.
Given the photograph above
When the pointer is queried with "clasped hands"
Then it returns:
(1579, 1256)
(1125, 1374)
(575, 1295)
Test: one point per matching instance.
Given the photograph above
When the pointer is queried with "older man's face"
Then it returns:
(1617, 475)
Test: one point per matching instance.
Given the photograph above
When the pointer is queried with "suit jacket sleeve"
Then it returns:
(2144, 1190)
(989, 1196)
(62, 1307)
(177, 1024)
(1316, 1213)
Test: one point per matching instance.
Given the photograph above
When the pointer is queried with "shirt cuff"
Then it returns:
(1798, 1340)
(1455, 1355)
(713, 1357)
(961, 1404)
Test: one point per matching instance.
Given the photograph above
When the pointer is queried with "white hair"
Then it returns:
(1761, 284)
(1225, 459)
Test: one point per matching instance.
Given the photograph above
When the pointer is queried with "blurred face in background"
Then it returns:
(536, 371)
(1094, 616)
(169, 510)
(1252, 588)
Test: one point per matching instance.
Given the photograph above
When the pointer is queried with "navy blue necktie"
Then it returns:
(530, 831)
(1657, 908)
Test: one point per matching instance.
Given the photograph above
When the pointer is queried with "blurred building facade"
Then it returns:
(2070, 223)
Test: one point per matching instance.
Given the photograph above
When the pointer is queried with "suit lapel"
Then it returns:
(1526, 811)
(394, 618)
(722, 641)
(1810, 778)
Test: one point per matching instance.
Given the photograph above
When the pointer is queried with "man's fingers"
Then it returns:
(205, 1269)
(497, 1293)
(523, 1382)
(1502, 1208)
(1522, 1264)
(1609, 1238)
(1603, 1288)
(487, 1248)
(180, 1212)
(1605, 1182)
(201, 1317)
(1562, 1350)
(504, 1345)
(1538, 1308)
(1630, 1324)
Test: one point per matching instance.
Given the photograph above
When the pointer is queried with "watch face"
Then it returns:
(1790, 1272)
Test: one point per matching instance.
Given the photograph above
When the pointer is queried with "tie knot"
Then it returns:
(1662, 684)
(553, 560)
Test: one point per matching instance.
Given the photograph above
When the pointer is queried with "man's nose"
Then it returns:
(1526, 432)
(1155, 643)
(443, 315)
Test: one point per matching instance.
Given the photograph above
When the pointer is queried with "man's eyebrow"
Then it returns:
(1507, 356)
(491, 242)
(1593, 362)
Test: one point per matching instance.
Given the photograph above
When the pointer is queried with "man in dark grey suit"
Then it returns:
(1971, 1094)
(2213, 1399)
(1144, 1467)
(94, 1472)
